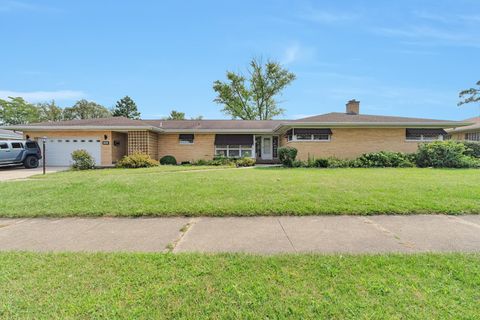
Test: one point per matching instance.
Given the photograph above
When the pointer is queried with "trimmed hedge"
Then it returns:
(137, 160)
(168, 160)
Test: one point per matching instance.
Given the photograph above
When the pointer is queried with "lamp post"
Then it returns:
(44, 140)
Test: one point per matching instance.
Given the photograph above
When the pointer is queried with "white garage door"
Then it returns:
(58, 151)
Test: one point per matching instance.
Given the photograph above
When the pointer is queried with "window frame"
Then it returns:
(475, 134)
(294, 138)
(440, 137)
(240, 149)
(186, 141)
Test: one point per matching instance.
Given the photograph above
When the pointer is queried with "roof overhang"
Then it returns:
(251, 131)
(84, 128)
(283, 127)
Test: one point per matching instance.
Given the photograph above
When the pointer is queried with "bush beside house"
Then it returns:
(137, 160)
(438, 154)
(82, 160)
(170, 160)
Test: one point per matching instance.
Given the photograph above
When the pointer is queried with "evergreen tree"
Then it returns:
(126, 107)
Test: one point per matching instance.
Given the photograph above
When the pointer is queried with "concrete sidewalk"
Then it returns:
(266, 235)
(16, 173)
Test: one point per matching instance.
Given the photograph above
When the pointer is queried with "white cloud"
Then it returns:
(295, 52)
(14, 5)
(39, 96)
(432, 35)
(326, 17)
(291, 54)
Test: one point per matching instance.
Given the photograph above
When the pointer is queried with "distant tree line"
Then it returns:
(15, 110)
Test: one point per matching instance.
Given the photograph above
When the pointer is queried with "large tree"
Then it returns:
(253, 98)
(176, 115)
(15, 111)
(49, 111)
(471, 95)
(84, 109)
(126, 107)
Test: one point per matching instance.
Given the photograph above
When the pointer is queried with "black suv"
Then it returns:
(26, 153)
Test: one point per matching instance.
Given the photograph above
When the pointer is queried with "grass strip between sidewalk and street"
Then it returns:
(233, 286)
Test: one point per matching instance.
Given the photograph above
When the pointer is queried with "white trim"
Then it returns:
(422, 139)
(240, 149)
(294, 138)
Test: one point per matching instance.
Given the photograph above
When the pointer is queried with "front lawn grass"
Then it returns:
(226, 286)
(243, 192)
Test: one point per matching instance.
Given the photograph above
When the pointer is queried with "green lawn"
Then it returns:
(193, 286)
(261, 191)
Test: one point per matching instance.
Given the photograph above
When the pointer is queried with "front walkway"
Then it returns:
(265, 235)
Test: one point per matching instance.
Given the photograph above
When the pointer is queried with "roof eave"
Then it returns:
(453, 124)
(81, 128)
(218, 130)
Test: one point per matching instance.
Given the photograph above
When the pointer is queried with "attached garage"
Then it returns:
(58, 150)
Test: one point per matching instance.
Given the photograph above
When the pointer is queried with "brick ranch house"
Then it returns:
(467, 133)
(341, 135)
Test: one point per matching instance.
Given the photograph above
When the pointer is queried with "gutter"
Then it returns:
(288, 125)
(82, 128)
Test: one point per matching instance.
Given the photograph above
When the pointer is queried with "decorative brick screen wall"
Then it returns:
(144, 142)
(137, 142)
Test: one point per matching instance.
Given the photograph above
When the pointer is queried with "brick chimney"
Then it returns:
(353, 107)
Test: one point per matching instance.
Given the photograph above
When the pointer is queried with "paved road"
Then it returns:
(265, 235)
(14, 173)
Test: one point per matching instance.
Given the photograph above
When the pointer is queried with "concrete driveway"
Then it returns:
(14, 173)
(261, 235)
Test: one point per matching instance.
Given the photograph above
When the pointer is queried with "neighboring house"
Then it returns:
(10, 135)
(467, 133)
(342, 135)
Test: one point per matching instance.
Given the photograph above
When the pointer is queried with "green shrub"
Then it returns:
(287, 155)
(383, 159)
(245, 162)
(200, 162)
(168, 160)
(443, 154)
(472, 148)
(338, 163)
(82, 160)
(137, 160)
(321, 163)
(222, 161)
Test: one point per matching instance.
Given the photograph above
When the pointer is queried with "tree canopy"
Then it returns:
(254, 98)
(84, 109)
(470, 95)
(16, 110)
(49, 111)
(126, 107)
(176, 115)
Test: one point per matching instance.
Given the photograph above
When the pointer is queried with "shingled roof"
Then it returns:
(261, 126)
(338, 117)
(474, 126)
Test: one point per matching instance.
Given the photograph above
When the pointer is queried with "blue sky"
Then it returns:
(407, 58)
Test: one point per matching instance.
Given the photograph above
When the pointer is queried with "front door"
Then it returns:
(267, 148)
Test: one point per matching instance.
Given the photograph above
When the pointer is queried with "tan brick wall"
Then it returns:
(348, 143)
(118, 151)
(153, 145)
(202, 147)
(106, 150)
